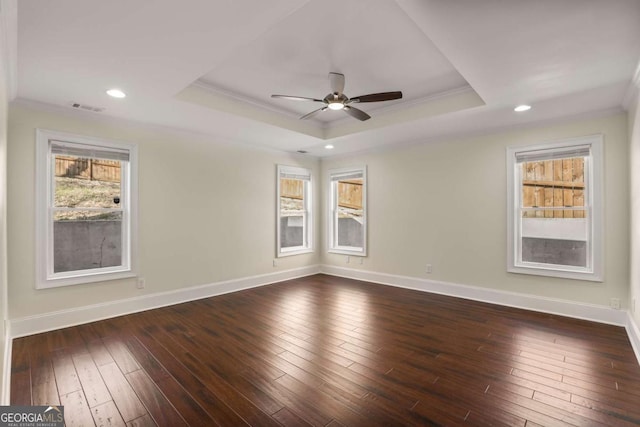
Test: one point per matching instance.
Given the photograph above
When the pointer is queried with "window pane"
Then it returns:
(553, 183)
(555, 209)
(559, 241)
(350, 213)
(85, 240)
(292, 212)
(86, 209)
(552, 251)
(87, 183)
(554, 219)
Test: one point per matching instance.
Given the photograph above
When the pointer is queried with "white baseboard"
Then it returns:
(6, 366)
(633, 331)
(596, 313)
(61, 319)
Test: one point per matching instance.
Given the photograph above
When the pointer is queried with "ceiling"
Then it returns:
(211, 66)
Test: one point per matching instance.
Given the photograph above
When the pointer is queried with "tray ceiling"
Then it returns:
(210, 67)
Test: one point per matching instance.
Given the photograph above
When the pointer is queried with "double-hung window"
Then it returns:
(348, 211)
(86, 209)
(295, 225)
(555, 209)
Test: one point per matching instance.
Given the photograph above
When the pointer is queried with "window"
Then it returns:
(294, 226)
(348, 211)
(86, 209)
(555, 209)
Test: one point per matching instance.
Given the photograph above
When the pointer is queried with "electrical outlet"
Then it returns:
(348, 259)
(141, 283)
(275, 262)
(614, 303)
(360, 260)
(429, 269)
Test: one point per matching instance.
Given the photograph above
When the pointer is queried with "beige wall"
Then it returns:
(207, 211)
(445, 204)
(8, 21)
(3, 220)
(634, 136)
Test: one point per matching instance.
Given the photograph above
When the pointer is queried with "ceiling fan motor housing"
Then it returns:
(337, 100)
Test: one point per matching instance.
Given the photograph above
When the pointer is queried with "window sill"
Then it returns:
(294, 252)
(347, 251)
(563, 274)
(84, 279)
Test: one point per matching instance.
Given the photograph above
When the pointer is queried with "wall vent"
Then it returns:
(86, 107)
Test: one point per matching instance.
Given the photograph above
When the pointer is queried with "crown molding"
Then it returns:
(389, 109)
(333, 124)
(209, 87)
(478, 132)
(114, 121)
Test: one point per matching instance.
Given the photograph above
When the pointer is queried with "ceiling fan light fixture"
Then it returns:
(521, 108)
(336, 106)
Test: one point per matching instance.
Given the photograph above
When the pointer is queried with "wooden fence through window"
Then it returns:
(553, 184)
(291, 188)
(349, 192)
(90, 169)
(545, 184)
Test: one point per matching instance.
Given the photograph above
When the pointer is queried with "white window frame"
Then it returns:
(332, 204)
(307, 232)
(594, 203)
(45, 276)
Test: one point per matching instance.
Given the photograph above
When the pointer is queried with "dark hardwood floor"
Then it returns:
(332, 352)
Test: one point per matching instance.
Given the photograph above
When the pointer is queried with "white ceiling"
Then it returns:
(295, 57)
(211, 66)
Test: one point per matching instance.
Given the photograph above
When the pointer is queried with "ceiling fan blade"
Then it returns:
(376, 97)
(354, 112)
(336, 82)
(296, 98)
(313, 113)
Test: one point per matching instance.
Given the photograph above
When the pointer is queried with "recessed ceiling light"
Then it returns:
(329, 147)
(116, 93)
(521, 108)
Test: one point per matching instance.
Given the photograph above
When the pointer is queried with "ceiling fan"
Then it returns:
(337, 100)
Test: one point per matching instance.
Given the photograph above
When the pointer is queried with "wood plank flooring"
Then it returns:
(327, 351)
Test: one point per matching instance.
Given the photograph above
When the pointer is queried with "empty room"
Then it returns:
(320, 212)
